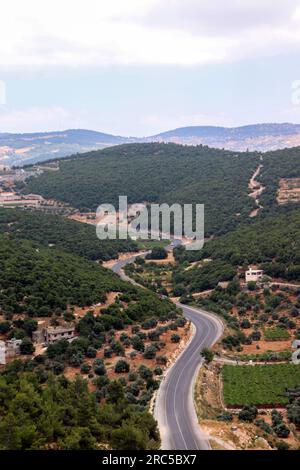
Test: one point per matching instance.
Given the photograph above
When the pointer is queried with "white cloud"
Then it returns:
(105, 32)
(218, 17)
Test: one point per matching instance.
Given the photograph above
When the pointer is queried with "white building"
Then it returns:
(9, 349)
(253, 275)
(2, 352)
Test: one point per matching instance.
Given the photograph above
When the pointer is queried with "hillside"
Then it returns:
(71, 398)
(259, 137)
(165, 173)
(20, 149)
(56, 231)
(40, 281)
(273, 243)
(279, 165)
(65, 415)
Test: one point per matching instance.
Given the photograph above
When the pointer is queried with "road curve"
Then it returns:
(175, 410)
(174, 407)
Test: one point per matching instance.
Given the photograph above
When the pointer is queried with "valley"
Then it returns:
(126, 336)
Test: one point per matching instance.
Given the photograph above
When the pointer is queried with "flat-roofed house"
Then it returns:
(254, 275)
(9, 349)
(56, 333)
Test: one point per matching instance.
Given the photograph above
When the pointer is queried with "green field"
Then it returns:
(259, 384)
(276, 334)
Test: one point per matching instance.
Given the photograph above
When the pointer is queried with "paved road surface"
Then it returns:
(174, 410)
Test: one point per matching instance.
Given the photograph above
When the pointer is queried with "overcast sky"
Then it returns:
(137, 67)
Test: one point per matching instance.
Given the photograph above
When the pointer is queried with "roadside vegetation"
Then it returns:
(41, 411)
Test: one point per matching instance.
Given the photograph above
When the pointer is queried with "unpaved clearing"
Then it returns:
(289, 190)
(256, 190)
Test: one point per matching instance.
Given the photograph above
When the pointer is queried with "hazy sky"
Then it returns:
(137, 67)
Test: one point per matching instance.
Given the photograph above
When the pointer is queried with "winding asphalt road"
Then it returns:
(175, 410)
(174, 407)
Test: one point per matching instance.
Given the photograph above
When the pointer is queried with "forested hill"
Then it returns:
(73, 237)
(259, 137)
(273, 243)
(40, 281)
(165, 173)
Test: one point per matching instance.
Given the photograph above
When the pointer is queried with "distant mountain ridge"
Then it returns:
(20, 149)
(260, 137)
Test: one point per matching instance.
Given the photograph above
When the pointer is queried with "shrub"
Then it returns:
(157, 253)
(207, 355)
(225, 417)
(122, 367)
(108, 352)
(85, 368)
(281, 430)
(248, 413)
(158, 371)
(137, 343)
(76, 359)
(132, 377)
(175, 338)
(91, 352)
(150, 352)
(280, 445)
(277, 418)
(264, 426)
(100, 369)
(256, 336)
(27, 347)
(162, 360)
(145, 372)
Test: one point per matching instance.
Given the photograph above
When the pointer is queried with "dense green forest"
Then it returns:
(38, 280)
(165, 173)
(273, 242)
(68, 235)
(41, 411)
(41, 281)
